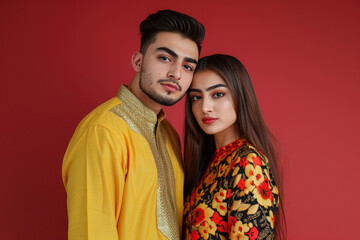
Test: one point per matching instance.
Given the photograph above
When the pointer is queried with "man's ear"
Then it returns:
(136, 61)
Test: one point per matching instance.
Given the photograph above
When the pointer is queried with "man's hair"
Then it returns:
(170, 21)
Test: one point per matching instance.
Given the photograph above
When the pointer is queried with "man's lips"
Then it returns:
(208, 120)
(170, 87)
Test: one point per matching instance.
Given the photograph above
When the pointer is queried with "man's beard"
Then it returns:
(145, 85)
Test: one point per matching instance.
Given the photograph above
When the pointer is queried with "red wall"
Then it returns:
(60, 59)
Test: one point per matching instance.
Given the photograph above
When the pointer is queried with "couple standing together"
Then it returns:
(123, 169)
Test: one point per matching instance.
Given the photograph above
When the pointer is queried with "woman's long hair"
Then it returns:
(200, 147)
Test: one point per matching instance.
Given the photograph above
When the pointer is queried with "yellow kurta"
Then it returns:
(123, 174)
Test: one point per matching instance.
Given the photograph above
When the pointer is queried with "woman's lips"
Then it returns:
(208, 120)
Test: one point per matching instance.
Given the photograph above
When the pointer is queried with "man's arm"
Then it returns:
(93, 175)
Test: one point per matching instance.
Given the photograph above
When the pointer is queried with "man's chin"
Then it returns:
(169, 102)
(166, 99)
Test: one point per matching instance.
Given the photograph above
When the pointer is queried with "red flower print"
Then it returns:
(195, 235)
(253, 234)
(222, 227)
(273, 220)
(243, 162)
(216, 218)
(257, 161)
(198, 216)
(231, 222)
(222, 194)
(228, 193)
(261, 152)
(192, 197)
(241, 184)
(264, 190)
(258, 176)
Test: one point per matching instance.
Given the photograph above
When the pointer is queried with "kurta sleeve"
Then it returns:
(94, 171)
(254, 198)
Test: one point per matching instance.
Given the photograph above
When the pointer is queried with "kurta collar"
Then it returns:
(140, 110)
(225, 150)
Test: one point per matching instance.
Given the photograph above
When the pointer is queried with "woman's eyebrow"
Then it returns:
(215, 86)
(207, 89)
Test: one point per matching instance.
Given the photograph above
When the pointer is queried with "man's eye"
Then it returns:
(189, 68)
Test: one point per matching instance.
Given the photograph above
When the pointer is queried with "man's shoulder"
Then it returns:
(102, 116)
(97, 114)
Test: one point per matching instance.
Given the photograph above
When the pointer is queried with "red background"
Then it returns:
(60, 59)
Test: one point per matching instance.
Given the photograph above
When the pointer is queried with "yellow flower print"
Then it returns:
(267, 175)
(249, 170)
(254, 159)
(200, 194)
(263, 194)
(213, 187)
(236, 170)
(258, 174)
(222, 169)
(209, 179)
(218, 203)
(255, 177)
(271, 219)
(206, 228)
(201, 213)
(231, 159)
(249, 185)
(238, 231)
(275, 190)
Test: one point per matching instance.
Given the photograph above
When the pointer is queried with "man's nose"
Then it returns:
(175, 72)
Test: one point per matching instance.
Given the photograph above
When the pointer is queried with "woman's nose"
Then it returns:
(207, 105)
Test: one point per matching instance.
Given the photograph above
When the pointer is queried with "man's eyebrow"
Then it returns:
(172, 53)
(169, 51)
(194, 90)
(207, 89)
(191, 60)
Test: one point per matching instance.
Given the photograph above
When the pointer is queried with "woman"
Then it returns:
(230, 184)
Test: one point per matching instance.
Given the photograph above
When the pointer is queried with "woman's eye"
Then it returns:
(218, 95)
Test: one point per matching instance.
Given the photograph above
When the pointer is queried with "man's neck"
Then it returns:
(134, 88)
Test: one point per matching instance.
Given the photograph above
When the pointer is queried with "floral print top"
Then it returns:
(237, 197)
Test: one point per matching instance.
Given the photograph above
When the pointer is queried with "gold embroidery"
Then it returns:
(144, 121)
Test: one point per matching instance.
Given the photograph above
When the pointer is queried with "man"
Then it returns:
(122, 170)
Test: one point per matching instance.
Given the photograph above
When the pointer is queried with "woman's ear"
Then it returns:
(136, 61)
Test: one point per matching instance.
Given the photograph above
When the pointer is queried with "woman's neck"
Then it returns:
(223, 139)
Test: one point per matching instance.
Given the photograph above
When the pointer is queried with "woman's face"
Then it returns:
(212, 105)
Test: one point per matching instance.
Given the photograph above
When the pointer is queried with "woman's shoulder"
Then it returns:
(248, 158)
(248, 151)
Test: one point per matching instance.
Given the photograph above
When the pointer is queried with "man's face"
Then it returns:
(168, 67)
